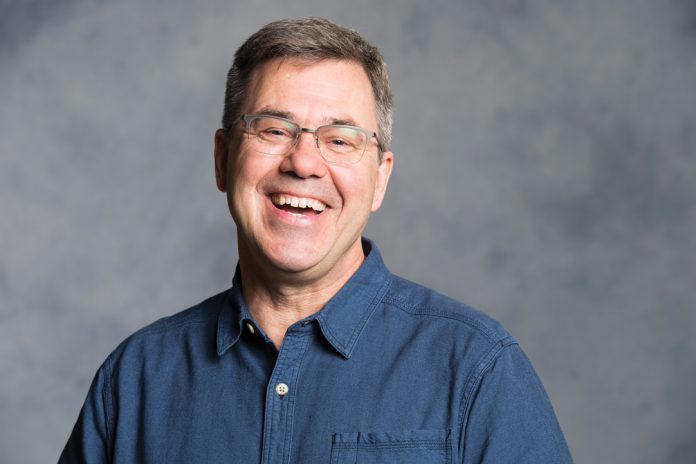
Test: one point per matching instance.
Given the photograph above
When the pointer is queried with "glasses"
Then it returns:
(338, 144)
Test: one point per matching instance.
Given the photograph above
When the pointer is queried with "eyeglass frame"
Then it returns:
(247, 118)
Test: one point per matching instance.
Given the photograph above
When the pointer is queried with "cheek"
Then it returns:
(356, 187)
(242, 181)
(248, 170)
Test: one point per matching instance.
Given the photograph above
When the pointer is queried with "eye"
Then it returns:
(342, 139)
(338, 142)
(275, 132)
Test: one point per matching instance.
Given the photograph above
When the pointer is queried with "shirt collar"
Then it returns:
(342, 319)
(232, 316)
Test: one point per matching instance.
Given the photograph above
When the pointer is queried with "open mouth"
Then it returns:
(297, 205)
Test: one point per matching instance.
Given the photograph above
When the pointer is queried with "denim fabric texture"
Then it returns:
(387, 372)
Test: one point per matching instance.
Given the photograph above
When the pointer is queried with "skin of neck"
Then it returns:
(277, 299)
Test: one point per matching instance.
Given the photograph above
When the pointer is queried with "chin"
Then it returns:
(295, 259)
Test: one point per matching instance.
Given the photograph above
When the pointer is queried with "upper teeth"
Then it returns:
(298, 202)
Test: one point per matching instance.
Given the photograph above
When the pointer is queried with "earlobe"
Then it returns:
(221, 155)
(382, 180)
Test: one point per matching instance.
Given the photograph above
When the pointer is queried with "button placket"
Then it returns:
(280, 398)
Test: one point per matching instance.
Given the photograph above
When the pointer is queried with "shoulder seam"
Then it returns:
(483, 366)
(428, 311)
(147, 331)
(172, 321)
(173, 325)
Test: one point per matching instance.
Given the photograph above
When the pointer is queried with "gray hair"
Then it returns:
(311, 39)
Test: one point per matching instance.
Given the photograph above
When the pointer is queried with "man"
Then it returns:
(317, 353)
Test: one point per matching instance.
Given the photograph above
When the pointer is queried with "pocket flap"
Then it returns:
(403, 447)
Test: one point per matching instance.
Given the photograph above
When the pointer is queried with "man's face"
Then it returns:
(310, 242)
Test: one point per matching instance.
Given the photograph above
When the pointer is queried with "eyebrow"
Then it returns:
(343, 122)
(267, 111)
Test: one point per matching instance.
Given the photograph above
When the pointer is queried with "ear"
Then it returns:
(383, 172)
(221, 157)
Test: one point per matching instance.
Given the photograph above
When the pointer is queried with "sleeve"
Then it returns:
(89, 440)
(509, 417)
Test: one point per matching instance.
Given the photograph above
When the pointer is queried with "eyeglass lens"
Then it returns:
(277, 136)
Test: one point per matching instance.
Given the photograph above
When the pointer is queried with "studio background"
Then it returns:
(545, 156)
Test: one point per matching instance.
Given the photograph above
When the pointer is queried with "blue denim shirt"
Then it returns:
(387, 372)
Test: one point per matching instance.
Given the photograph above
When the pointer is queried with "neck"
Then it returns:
(277, 299)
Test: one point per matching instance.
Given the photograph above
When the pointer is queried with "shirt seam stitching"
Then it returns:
(432, 445)
(289, 438)
(427, 311)
(156, 330)
(483, 366)
(108, 406)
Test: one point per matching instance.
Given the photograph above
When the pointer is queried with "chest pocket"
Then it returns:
(403, 447)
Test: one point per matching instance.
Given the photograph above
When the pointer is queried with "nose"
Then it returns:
(304, 159)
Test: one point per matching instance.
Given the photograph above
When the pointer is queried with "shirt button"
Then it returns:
(281, 389)
(250, 328)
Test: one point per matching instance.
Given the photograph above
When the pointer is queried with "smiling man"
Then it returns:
(317, 353)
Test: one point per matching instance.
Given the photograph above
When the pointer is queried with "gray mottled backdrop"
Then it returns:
(546, 151)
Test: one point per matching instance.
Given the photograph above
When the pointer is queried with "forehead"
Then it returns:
(312, 92)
